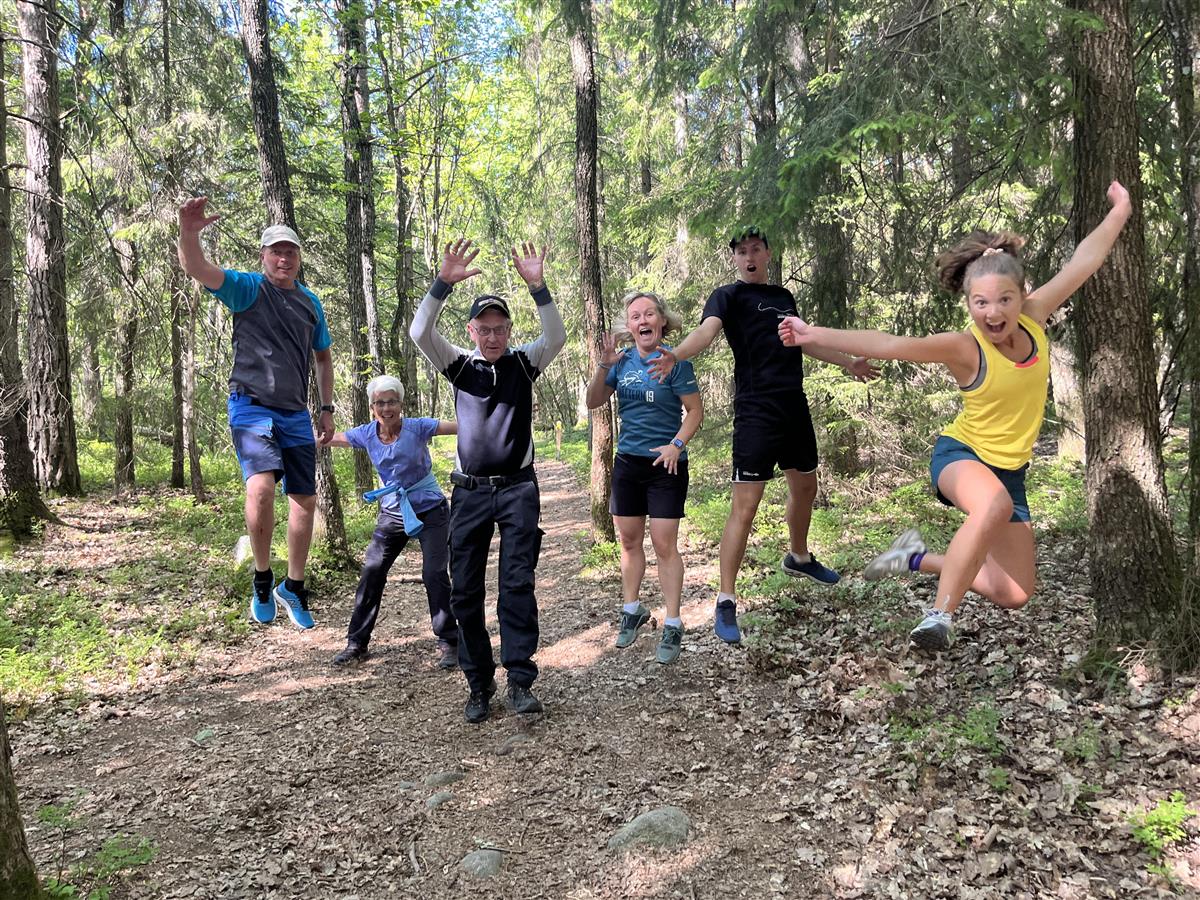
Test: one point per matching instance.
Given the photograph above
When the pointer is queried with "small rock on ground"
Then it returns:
(482, 863)
(441, 779)
(438, 799)
(667, 826)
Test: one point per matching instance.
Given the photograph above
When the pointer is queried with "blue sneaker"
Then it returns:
(262, 607)
(295, 604)
(812, 568)
(725, 622)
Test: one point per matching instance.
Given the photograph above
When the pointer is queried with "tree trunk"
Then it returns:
(125, 300)
(183, 316)
(577, 14)
(20, 502)
(18, 878)
(277, 190)
(403, 351)
(91, 387)
(360, 219)
(51, 418)
(1134, 566)
(1184, 28)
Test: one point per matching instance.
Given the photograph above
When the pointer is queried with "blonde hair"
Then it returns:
(381, 383)
(672, 321)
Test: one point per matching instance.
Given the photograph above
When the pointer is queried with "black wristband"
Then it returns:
(327, 407)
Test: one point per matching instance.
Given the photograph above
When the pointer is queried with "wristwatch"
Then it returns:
(327, 407)
(677, 442)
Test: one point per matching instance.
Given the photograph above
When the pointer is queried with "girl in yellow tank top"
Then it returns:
(1001, 364)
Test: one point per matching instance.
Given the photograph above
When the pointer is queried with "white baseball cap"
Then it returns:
(275, 234)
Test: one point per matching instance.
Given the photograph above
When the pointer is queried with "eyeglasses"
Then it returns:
(385, 402)
(498, 330)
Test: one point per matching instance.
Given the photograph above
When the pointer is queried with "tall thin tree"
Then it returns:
(18, 878)
(577, 15)
(358, 171)
(51, 416)
(125, 252)
(20, 502)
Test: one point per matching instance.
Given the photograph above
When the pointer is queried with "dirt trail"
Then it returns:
(265, 773)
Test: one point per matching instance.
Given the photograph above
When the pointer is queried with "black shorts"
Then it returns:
(640, 488)
(769, 435)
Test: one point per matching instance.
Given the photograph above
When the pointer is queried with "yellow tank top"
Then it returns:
(1001, 416)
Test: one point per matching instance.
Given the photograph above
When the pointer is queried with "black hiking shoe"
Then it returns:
(350, 656)
(479, 704)
(521, 700)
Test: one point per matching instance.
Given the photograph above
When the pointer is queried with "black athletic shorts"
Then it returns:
(766, 435)
(640, 488)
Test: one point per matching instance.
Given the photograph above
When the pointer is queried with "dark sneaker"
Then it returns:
(812, 569)
(262, 606)
(521, 700)
(725, 622)
(933, 633)
(630, 623)
(479, 704)
(668, 644)
(350, 656)
(894, 560)
(447, 656)
(296, 604)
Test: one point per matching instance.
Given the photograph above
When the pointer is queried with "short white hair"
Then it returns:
(381, 383)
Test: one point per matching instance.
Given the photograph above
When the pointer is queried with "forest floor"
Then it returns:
(819, 758)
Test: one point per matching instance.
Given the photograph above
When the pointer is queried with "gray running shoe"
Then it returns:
(933, 633)
(668, 644)
(630, 623)
(894, 560)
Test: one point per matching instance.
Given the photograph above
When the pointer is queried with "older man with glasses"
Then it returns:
(494, 482)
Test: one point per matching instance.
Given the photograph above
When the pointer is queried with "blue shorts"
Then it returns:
(268, 439)
(948, 450)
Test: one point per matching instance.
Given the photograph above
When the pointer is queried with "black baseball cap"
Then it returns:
(747, 231)
(486, 302)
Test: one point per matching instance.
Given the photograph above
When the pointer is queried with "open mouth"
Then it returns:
(995, 330)
(752, 268)
(645, 332)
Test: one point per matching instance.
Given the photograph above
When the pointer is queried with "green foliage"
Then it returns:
(1083, 745)
(104, 871)
(1158, 828)
(602, 556)
(939, 740)
(997, 779)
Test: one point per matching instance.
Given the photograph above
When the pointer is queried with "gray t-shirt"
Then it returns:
(275, 331)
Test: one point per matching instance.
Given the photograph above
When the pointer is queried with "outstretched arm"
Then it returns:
(446, 427)
(339, 439)
(1087, 258)
(956, 350)
(193, 220)
(696, 342)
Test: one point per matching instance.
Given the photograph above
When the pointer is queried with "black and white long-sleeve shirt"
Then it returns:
(492, 403)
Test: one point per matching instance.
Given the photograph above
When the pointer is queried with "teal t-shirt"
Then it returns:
(650, 410)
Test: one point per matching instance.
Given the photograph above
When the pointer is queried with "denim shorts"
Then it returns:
(948, 450)
(268, 439)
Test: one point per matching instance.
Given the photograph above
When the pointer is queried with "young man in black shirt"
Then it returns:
(494, 481)
(771, 422)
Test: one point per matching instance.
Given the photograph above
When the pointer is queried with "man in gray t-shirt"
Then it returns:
(278, 325)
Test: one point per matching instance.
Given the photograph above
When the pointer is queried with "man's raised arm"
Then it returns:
(529, 265)
(192, 221)
(423, 331)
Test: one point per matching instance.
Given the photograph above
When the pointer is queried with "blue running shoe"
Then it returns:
(295, 604)
(813, 569)
(262, 606)
(725, 622)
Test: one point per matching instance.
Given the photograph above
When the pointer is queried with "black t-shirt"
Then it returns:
(764, 370)
(494, 408)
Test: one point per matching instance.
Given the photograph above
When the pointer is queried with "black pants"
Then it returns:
(386, 543)
(474, 515)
